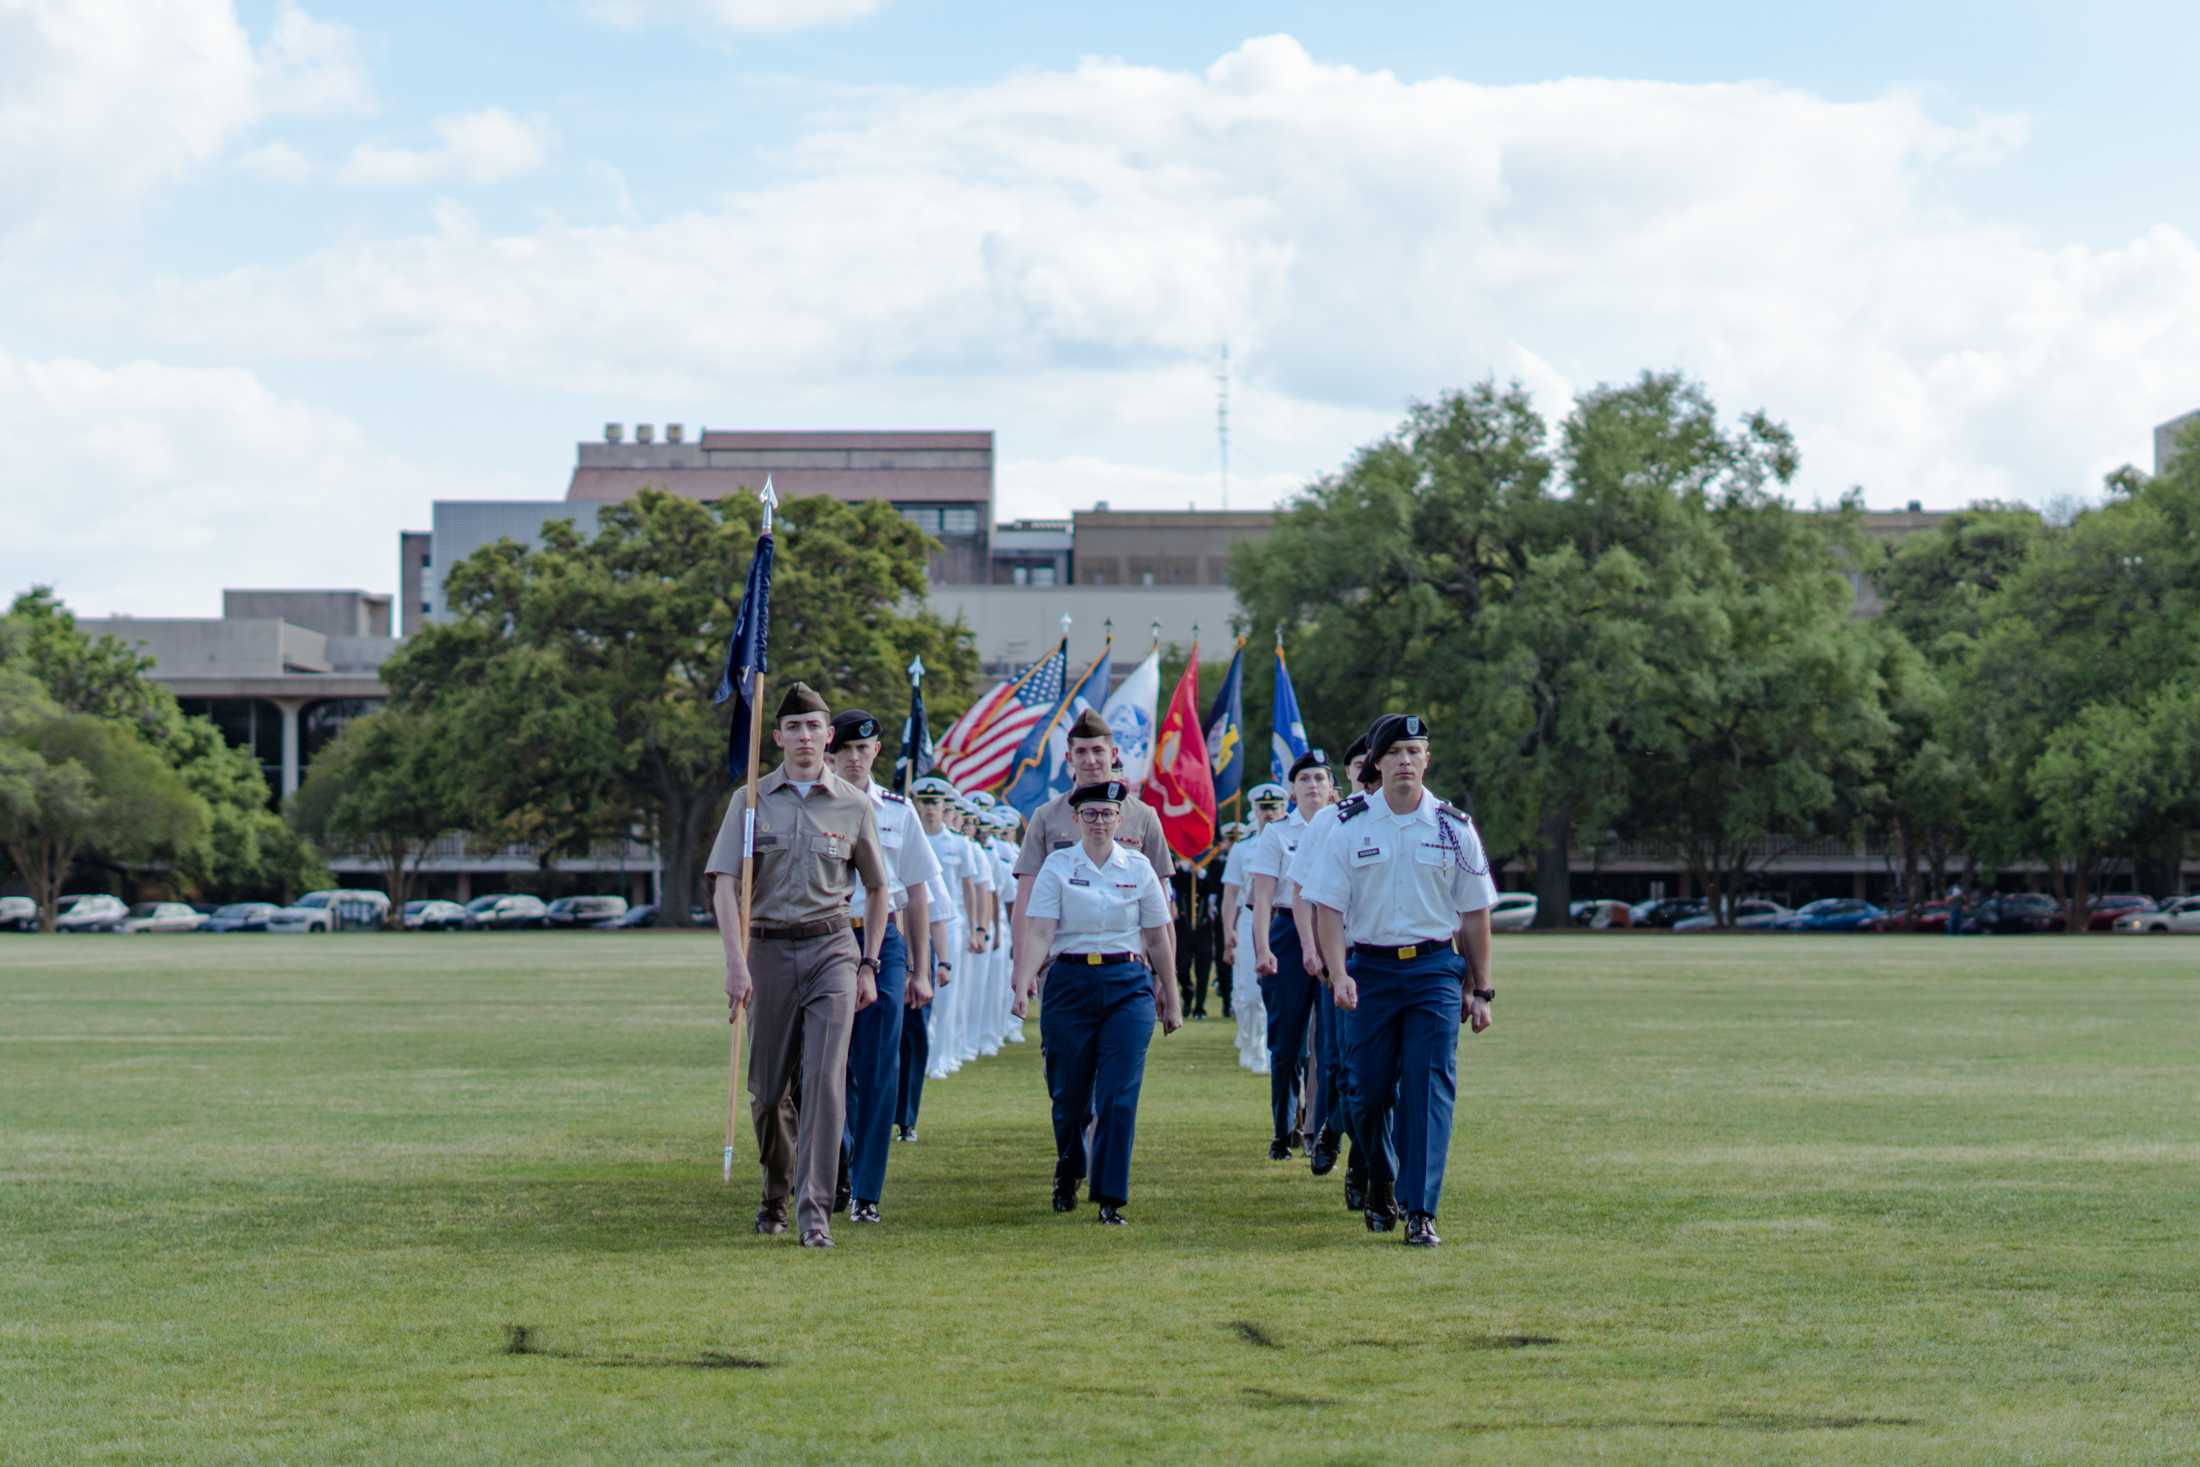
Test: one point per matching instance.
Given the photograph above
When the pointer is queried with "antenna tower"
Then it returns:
(1222, 421)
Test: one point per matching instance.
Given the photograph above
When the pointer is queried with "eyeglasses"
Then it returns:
(1092, 815)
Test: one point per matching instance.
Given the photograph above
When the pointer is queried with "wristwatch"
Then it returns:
(1487, 995)
(871, 963)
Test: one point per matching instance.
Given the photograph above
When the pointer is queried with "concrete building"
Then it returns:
(2166, 436)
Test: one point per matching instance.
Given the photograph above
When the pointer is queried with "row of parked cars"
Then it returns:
(336, 910)
(2009, 912)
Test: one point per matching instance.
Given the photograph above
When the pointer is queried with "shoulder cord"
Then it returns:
(1451, 839)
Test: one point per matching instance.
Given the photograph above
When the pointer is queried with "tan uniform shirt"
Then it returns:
(1054, 828)
(805, 848)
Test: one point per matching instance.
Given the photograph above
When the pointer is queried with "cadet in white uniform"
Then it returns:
(1286, 987)
(1402, 893)
(1267, 801)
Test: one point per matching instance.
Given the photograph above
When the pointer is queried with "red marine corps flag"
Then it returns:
(1181, 785)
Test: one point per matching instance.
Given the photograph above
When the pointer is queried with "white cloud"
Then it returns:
(487, 146)
(103, 102)
(145, 487)
(747, 17)
(1058, 255)
(275, 163)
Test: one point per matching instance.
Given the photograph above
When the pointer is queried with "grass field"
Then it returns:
(1901, 1200)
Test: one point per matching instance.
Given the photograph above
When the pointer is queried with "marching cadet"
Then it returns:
(916, 1029)
(1207, 932)
(1331, 1121)
(803, 970)
(875, 1048)
(934, 799)
(1402, 893)
(1094, 908)
(1286, 988)
(969, 1007)
(1267, 801)
(1053, 826)
(1005, 822)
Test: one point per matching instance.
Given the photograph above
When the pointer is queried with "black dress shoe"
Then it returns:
(1355, 1195)
(864, 1212)
(1112, 1216)
(1322, 1155)
(771, 1219)
(1065, 1196)
(1380, 1220)
(817, 1238)
(1279, 1150)
(1421, 1231)
(841, 1197)
(905, 1133)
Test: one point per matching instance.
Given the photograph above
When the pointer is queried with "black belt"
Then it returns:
(799, 931)
(1096, 960)
(857, 922)
(1404, 953)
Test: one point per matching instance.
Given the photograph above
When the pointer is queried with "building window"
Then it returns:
(1145, 578)
(427, 558)
(426, 609)
(1042, 575)
(959, 521)
(320, 722)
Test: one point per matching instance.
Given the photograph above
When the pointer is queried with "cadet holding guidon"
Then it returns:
(1395, 884)
(804, 972)
(1094, 909)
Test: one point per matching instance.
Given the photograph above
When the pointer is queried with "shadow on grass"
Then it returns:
(519, 1339)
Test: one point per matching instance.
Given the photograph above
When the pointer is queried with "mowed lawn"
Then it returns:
(1902, 1200)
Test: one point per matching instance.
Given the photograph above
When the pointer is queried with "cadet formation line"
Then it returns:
(896, 940)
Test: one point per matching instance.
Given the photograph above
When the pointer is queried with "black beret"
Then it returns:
(1389, 729)
(1090, 725)
(1355, 749)
(1311, 759)
(1110, 791)
(800, 699)
(854, 723)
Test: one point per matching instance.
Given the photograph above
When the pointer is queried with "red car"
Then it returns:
(2102, 911)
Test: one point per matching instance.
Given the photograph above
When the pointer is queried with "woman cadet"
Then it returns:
(1094, 909)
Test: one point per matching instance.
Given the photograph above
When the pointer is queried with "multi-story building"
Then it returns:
(2166, 436)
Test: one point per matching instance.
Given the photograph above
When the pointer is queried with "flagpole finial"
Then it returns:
(916, 670)
(1157, 632)
(770, 497)
(1065, 624)
(1108, 627)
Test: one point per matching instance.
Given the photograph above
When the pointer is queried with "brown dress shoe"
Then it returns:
(771, 1219)
(817, 1238)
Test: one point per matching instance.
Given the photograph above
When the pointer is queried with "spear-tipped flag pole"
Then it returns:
(916, 739)
(742, 681)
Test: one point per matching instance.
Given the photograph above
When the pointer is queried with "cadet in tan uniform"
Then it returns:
(1054, 825)
(804, 971)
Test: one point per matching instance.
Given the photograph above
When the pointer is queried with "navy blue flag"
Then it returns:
(916, 739)
(745, 656)
(1226, 732)
(1287, 732)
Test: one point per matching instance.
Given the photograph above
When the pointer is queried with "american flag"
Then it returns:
(978, 751)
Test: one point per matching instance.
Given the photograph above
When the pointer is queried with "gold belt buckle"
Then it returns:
(1408, 954)
(1092, 960)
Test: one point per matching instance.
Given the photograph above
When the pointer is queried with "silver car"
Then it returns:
(96, 912)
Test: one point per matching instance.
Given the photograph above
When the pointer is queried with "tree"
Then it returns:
(574, 686)
(382, 787)
(71, 783)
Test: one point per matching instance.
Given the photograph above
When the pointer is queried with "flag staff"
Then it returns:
(770, 498)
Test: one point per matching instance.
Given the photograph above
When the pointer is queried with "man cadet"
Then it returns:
(1053, 827)
(1267, 801)
(1400, 887)
(804, 971)
(874, 1049)
(1331, 1122)
(1286, 988)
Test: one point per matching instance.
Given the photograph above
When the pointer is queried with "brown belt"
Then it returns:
(799, 931)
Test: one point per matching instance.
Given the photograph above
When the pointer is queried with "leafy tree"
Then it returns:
(574, 686)
(72, 784)
(382, 787)
(1937, 585)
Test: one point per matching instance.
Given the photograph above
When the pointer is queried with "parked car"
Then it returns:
(18, 914)
(1514, 911)
(92, 912)
(642, 914)
(1665, 911)
(429, 914)
(163, 917)
(2017, 911)
(586, 911)
(1834, 914)
(2177, 914)
(1930, 916)
(506, 913)
(1752, 914)
(240, 917)
(1601, 914)
(334, 910)
(2102, 911)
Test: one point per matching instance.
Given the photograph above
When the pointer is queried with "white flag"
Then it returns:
(1130, 713)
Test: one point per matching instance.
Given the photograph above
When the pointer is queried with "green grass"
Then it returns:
(1719, 1199)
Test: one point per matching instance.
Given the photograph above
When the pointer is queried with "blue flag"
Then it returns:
(1288, 737)
(916, 740)
(1226, 732)
(745, 656)
(1041, 783)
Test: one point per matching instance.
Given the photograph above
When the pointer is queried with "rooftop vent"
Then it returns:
(644, 433)
(675, 432)
(1917, 506)
(614, 433)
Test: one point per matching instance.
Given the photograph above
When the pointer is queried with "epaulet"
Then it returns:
(893, 798)
(1351, 808)
(1454, 812)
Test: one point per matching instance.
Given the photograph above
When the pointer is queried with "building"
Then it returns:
(2166, 436)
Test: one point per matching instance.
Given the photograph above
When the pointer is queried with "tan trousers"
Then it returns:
(800, 1016)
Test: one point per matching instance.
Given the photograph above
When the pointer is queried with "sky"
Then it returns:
(275, 276)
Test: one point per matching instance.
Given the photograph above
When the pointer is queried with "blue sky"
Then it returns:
(281, 274)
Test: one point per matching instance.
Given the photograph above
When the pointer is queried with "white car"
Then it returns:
(1514, 911)
(163, 917)
(427, 914)
(18, 914)
(96, 912)
(2179, 914)
(1750, 915)
(330, 911)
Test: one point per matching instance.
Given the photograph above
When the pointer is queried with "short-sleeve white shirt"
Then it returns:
(909, 858)
(1401, 878)
(1102, 908)
(1272, 853)
(980, 869)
